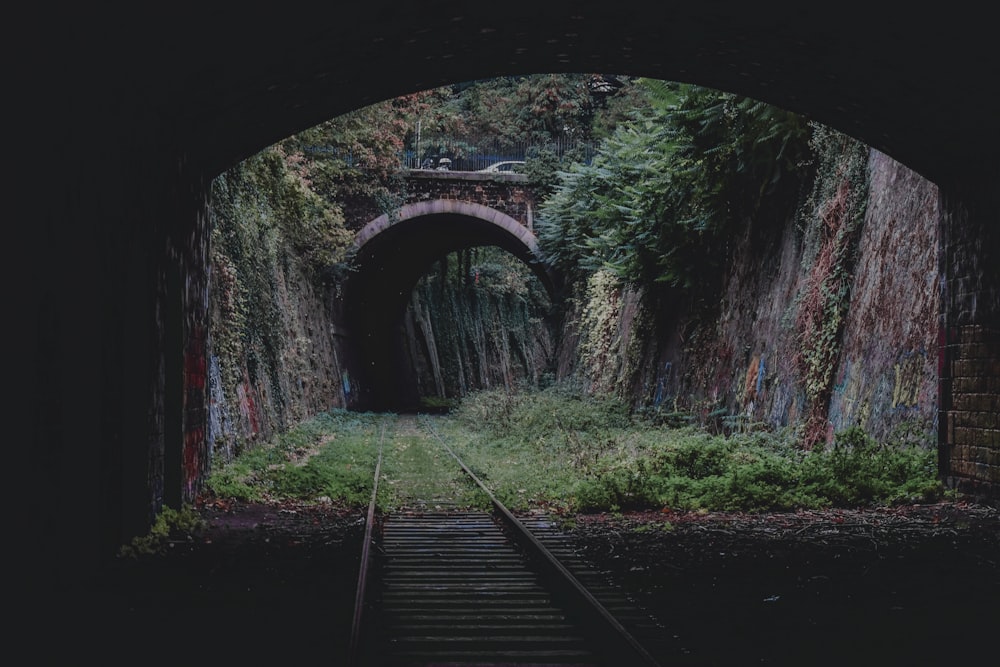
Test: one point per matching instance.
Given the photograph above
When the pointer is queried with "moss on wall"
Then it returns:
(478, 321)
(273, 361)
(825, 319)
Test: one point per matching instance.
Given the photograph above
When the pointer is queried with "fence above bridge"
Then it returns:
(476, 153)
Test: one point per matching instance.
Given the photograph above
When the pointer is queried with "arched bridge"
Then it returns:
(444, 212)
(505, 200)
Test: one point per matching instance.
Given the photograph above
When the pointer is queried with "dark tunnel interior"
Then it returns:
(385, 271)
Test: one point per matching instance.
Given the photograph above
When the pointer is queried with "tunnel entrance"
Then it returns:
(396, 357)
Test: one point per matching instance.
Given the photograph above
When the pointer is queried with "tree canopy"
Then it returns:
(669, 185)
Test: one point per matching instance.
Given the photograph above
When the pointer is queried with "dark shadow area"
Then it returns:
(895, 587)
(387, 268)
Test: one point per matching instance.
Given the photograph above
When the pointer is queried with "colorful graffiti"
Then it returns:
(878, 399)
(661, 384)
(754, 382)
(909, 379)
(195, 451)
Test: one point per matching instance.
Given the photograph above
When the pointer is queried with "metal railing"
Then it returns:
(475, 153)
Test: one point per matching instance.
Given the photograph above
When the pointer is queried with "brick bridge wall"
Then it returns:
(969, 358)
(510, 194)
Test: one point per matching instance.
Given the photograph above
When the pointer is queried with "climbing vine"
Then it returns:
(830, 222)
(599, 330)
(485, 315)
(267, 225)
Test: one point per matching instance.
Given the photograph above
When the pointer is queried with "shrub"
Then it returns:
(857, 470)
(170, 525)
(330, 455)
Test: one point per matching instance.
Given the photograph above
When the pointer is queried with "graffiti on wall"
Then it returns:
(849, 387)
(753, 384)
(248, 407)
(195, 453)
(661, 384)
(909, 379)
(878, 399)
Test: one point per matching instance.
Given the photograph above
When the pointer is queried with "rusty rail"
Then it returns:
(360, 596)
(590, 607)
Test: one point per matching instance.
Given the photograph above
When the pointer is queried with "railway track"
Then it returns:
(451, 586)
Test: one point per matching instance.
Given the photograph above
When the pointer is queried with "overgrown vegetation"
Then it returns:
(329, 457)
(572, 452)
(170, 525)
(270, 235)
(667, 189)
(681, 173)
(419, 473)
(833, 215)
(553, 115)
(581, 453)
(481, 319)
(281, 228)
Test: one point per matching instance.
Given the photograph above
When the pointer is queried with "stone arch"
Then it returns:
(389, 256)
(454, 207)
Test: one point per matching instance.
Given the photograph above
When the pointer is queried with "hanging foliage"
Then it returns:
(831, 222)
(666, 190)
(488, 316)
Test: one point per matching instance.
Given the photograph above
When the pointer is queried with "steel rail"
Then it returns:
(359, 598)
(598, 612)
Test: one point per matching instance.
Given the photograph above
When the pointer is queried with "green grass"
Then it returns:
(578, 453)
(331, 456)
(570, 453)
(417, 470)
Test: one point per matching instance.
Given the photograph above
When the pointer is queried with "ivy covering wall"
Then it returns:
(723, 260)
(785, 337)
(273, 361)
(479, 320)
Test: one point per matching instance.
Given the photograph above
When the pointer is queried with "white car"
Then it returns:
(508, 166)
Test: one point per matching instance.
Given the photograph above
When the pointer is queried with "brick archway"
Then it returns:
(389, 256)
(451, 207)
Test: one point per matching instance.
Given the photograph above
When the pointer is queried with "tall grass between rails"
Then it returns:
(332, 458)
(570, 452)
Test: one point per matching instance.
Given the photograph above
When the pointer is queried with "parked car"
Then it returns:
(507, 166)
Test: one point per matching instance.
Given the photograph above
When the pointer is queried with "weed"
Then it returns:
(331, 456)
(609, 462)
(170, 525)
(567, 452)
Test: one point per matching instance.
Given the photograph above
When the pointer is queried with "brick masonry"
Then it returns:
(508, 193)
(970, 410)
(969, 353)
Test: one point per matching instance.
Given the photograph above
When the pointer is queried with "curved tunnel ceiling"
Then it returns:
(891, 77)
